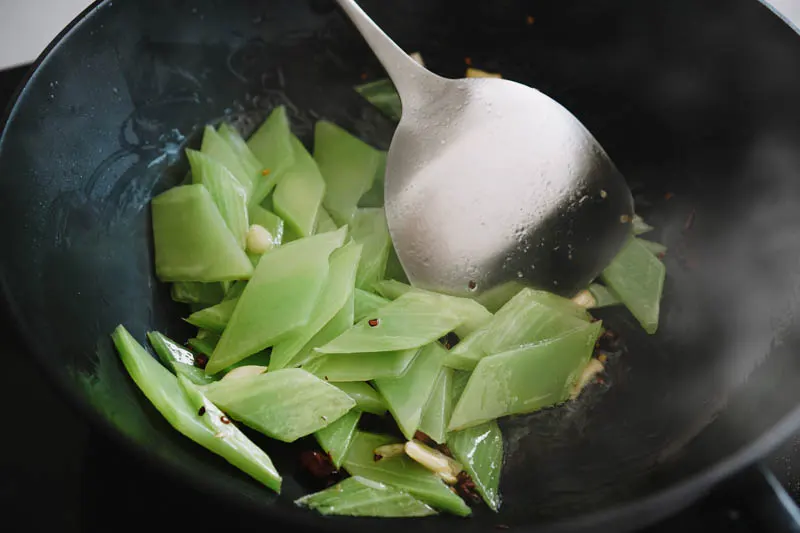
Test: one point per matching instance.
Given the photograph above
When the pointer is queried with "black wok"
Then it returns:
(695, 100)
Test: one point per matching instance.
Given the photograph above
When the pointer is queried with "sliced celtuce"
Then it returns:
(279, 298)
(525, 379)
(324, 221)
(192, 292)
(362, 366)
(402, 473)
(337, 291)
(340, 323)
(192, 241)
(374, 196)
(246, 157)
(366, 304)
(217, 148)
(640, 226)
(214, 318)
(358, 496)
(298, 194)
(439, 409)
(268, 220)
(466, 354)
(348, 165)
(656, 248)
(603, 297)
(367, 399)
(180, 406)
(228, 194)
(413, 320)
(285, 405)
(369, 229)
(383, 95)
(637, 277)
(204, 342)
(407, 396)
(177, 358)
(272, 146)
(244, 371)
(335, 439)
(479, 449)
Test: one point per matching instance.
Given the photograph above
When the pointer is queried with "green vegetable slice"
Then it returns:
(637, 277)
(656, 248)
(460, 379)
(603, 296)
(177, 358)
(341, 322)
(324, 221)
(383, 95)
(285, 404)
(217, 148)
(374, 196)
(466, 354)
(192, 292)
(413, 320)
(348, 165)
(402, 473)
(337, 291)
(525, 379)
(479, 449)
(439, 408)
(369, 229)
(298, 194)
(407, 396)
(192, 242)
(335, 439)
(246, 157)
(367, 303)
(272, 146)
(279, 298)
(166, 395)
(214, 318)
(204, 342)
(640, 226)
(367, 399)
(362, 366)
(358, 496)
(269, 221)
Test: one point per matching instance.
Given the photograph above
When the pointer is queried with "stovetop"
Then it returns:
(60, 475)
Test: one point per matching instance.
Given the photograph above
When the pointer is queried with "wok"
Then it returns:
(695, 100)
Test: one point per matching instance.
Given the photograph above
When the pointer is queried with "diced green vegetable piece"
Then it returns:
(217, 148)
(656, 248)
(192, 292)
(383, 95)
(246, 157)
(285, 404)
(214, 318)
(413, 320)
(401, 472)
(177, 358)
(335, 439)
(525, 379)
(192, 242)
(324, 222)
(298, 194)
(439, 408)
(603, 296)
(637, 277)
(640, 226)
(362, 366)
(337, 291)
(479, 449)
(270, 221)
(466, 354)
(166, 395)
(358, 496)
(229, 196)
(279, 298)
(367, 399)
(272, 145)
(374, 196)
(348, 165)
(367, 303)
(369, 229)
(407, 396)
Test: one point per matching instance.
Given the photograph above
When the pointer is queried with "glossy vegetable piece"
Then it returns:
(362, 366)
(358, 496)
(340, 323)
(348, 165)
(272, 146)
(324, 221)
(279, 298)
(268, 220)
(285, 404)
(367, 303)
(479, 449)
(413, 320)
(466, 354)
(656, 248)
(246, 157)
(374, 196)
(437, 412)
(229, 196)
(204, 342)
(192, 292)
(367, 399)
(217, 148)
(408, 395)
(525, 379)
(640, 226)
(637, 277)
(460, 380)
(369, 229)
(603, 296)
(177, 358)
(192, 241)
(182, 412)
(298, 194)
(214, 318)
(335, 439)
(402, 473)
(383, 95)
(337, 291)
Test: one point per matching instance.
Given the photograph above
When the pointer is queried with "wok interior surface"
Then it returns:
(693, 100)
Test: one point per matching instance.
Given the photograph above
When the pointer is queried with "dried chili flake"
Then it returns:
(364, 76)
(200, 360)
(373, 322)
(224, 419)
(468, 61)
(425, 439)
(317, 463)
(529, 20)
(266, 172)
(201, 411)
